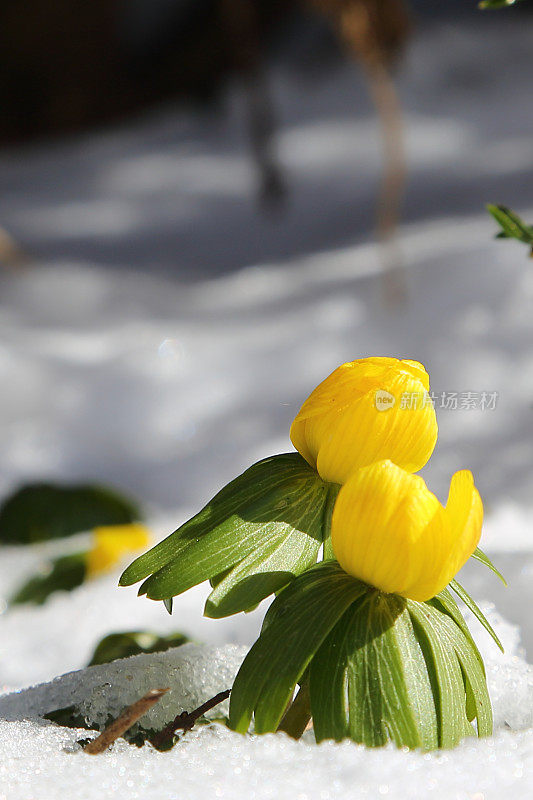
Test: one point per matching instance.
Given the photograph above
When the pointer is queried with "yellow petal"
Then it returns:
(378, 521)
(340, 427)
(112, 542)
(465, 512)
(390, 531)
(355, 378)
(417, 370)
(456, 542)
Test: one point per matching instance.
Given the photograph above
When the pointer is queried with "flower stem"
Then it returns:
(298, 714)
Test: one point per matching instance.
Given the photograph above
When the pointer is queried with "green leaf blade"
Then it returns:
(42, 511)
(445, 602)
(369, 680)
(333, 491)
(473, 674)
(493, 4)
(513, 226)
(463, 595)
(133, 643)
(246, 490)
(446, 675)
(302, 616)
(264, 571)
(66, 573)
(251, 540)
(480, 556)
(293, 510)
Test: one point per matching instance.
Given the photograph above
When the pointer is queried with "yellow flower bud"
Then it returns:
(366, 411)
(390, 531)
(112, 542)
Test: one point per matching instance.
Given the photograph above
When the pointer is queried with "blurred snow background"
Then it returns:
(168, 332)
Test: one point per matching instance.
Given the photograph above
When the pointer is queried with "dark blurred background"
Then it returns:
(69, 64)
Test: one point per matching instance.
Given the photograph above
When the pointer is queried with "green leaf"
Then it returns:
(132, 643)
(473, 674)
(471, 664)
(513, 226)
(476, 611)
(263, 528)
(257, 482)
(264, 571)
(45, 511)
(480, 556)
(445, 673)
(299, 621)
(253, 491)
(63, 574)
(369, 680)
(445, 602)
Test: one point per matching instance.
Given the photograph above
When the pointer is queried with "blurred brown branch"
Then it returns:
(376, 32)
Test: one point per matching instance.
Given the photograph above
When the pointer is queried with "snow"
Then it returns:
(194, 673)
(214, 762)
(163, 339)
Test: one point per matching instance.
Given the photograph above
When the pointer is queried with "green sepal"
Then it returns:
(43, 511)
(251, 539)
(483, 558)
(298, 621)
(370, 681)
(463, 595)
(63, 574)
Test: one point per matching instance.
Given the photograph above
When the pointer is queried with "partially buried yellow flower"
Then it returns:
(390, 531)
(112, 542)
(366, 411)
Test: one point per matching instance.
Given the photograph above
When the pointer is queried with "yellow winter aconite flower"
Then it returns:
(365, 411)
(390, 531)
(112, 542)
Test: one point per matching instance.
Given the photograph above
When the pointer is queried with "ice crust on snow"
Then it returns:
(194, 673)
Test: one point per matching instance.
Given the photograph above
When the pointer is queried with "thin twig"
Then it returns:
(185, 721)
(128, 718)
(389, 110)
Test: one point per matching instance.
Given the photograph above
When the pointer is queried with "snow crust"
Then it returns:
(193, 673)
